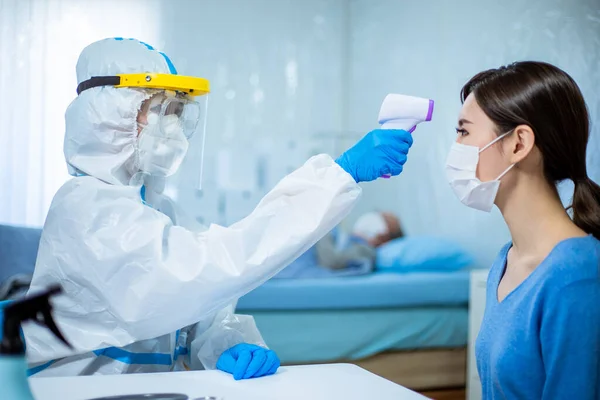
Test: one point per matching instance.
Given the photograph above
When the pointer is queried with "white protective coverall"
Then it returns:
(144, 291)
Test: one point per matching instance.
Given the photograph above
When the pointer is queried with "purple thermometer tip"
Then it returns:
(430, 111)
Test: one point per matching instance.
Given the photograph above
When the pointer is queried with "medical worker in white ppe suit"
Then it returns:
(146, 291)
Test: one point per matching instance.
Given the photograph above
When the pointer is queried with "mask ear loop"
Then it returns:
(495, 140)
(505, 172)
(491, 144)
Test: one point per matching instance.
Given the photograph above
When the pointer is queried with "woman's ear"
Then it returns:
(520, 143)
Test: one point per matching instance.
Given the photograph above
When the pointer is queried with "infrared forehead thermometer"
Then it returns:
(399, 111)
(404, 112)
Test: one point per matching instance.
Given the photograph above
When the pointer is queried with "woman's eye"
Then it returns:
(461, 132)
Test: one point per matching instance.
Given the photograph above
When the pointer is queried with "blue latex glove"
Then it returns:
(381, 152)
(247, 361)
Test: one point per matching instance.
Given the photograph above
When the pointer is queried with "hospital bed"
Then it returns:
(410, 328)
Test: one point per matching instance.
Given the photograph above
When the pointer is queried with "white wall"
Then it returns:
(430, 49)
(276, 74)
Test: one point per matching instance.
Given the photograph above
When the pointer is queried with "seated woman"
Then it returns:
(524, 128)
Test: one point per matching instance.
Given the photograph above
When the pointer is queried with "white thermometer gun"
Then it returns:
(404, 112)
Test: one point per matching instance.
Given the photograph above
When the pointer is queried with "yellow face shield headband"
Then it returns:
(190, 85)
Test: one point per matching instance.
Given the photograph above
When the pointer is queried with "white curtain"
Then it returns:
(40, 41)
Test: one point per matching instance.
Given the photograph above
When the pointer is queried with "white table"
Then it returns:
(315, 382)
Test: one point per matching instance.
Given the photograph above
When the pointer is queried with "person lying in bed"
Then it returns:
(370, 231)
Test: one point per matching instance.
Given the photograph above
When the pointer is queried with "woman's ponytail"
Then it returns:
(586, 206)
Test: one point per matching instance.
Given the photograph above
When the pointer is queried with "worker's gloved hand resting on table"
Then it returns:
(245, 361)
(381, 152)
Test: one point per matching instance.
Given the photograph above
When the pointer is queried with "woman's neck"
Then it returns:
(536, 217)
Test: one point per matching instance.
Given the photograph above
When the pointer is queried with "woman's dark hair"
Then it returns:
(548, 100)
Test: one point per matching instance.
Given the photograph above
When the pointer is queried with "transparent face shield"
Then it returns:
(171, 125)
(171, 128)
